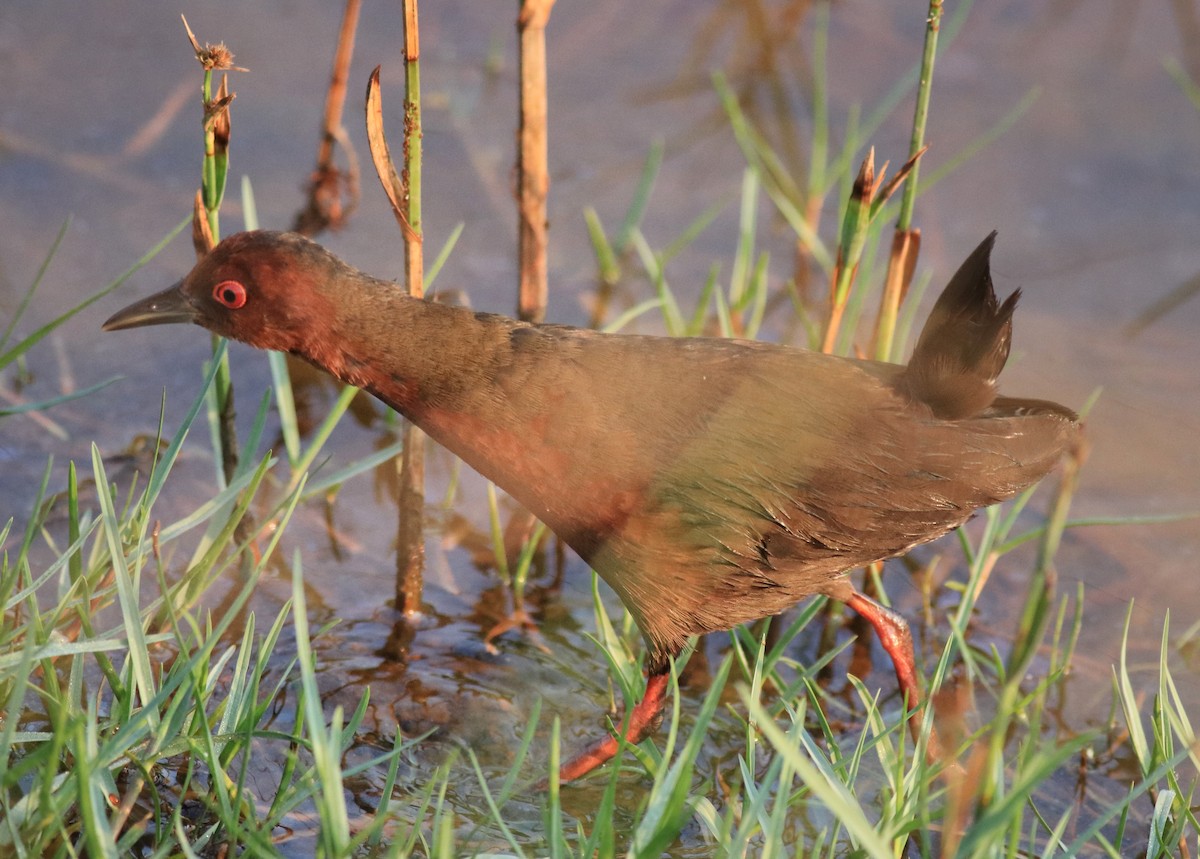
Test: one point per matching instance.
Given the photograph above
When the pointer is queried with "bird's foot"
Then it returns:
(638, 724)
(896, 639)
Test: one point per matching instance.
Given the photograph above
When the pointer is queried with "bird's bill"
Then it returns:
(163, 308)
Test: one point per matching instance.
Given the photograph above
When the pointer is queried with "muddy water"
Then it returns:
(1094, 190)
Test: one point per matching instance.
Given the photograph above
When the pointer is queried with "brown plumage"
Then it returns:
(708, 481)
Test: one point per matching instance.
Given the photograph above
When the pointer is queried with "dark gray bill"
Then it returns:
(170, 305)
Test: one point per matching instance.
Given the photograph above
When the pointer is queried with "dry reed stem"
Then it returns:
(414, 258)
(533, 175)
(333, 195)
(410, 555)
(404, 196)
(902, 262)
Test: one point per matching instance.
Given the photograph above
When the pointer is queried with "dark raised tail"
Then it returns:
(965, 342)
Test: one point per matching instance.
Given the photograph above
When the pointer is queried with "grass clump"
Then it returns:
(137, 717)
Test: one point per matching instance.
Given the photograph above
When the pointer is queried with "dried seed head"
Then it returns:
(216, 57)
(212, 57)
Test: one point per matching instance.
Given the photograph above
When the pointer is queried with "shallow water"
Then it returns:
(1094, 190)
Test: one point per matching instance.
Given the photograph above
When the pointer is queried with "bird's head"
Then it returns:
(263, 288)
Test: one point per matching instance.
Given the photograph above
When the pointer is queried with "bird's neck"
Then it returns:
(415, 355)
(454, 373)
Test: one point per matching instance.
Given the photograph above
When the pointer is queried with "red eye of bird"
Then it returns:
(230, 293)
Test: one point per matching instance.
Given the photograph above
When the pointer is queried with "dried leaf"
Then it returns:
(213, 111)
(191, 37)
(906, 248)
(202, 237)
(381, 155)
(891, 187)
(221, 123)
(864, 184)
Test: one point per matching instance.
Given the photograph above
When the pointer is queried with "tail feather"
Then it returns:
(965, 342)
(1022, 406)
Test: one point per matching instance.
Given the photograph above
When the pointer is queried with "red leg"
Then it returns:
(638, 724)
(896, 639)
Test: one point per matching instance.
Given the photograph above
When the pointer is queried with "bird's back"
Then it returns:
(725, 480)
(760, 474)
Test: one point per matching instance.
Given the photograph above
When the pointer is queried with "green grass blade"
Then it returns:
(7, 357)
(33, 287)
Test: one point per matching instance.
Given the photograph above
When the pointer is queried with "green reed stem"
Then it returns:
(933, 25)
